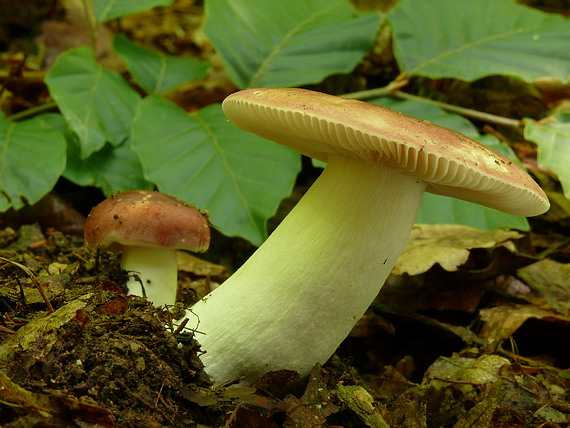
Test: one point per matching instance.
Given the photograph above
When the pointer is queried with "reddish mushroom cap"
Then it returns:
(147, 218)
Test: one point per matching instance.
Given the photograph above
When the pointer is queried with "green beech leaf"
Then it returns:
(105, 10)
(205, 160)
(470, 39)
(33, 158)
(441, 209)
(158, 73)
(552, 135)
(112, 169)
(287, 43)
(97, 103)
(436, 209)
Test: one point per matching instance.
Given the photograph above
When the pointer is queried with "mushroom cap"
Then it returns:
(149, 219)
(320, 125)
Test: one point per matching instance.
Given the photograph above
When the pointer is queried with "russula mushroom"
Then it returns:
(148, 227)
(292, 303)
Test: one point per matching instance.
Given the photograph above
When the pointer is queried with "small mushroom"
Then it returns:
(148, 227)
(293, 302)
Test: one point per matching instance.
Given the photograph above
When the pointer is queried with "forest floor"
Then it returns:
(475, 348)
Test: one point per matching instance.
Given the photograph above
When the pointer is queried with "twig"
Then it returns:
(6, 330)
(33, 111)
(38, 285)
(11, 74)
(386, 91)
(91, 23)
(475, 114)
(34, 75)
(181, 326)
(394, 91)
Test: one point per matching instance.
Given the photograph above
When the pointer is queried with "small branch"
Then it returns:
(181, 326)
(33, 278)
(91, 23)
(6, 330)
(34, 111)
(30, 75)
(474, 114)
(386, 91)
(12, 73)
(394, 91)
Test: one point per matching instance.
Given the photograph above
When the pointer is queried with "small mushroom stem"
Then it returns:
(153, 272)
(294, 301)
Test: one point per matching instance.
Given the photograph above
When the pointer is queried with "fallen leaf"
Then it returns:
(362, 403)
(79, 30)
(316, 404)
(501, 322)
(55, 403)
(550, 282)
(116, 306)
(508, 285)
(480, 415)
(410, 413)
(51, 211)
(244, 417)
(192, 264)
(447, 245)
(53, 286)
(465, 298)
(463, 370)
(43, 327)
(392, 381)
(278, 383)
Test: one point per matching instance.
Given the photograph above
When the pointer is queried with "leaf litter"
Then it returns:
(106, 359)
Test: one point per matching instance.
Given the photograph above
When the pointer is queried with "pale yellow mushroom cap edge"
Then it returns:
(319, 125)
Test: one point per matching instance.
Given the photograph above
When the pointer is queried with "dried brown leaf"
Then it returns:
(465, 371)
(362, 403)
(316, 404)
(55, 403)
(550, 283)
(447, 245)
(501, 322)
(44, 327)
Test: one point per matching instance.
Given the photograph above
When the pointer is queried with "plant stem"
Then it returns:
(391, 90)
(34, 75)
(36, 282)
(31, 112)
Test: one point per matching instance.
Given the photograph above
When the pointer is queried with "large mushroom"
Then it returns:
(292, 303)
(148, 227)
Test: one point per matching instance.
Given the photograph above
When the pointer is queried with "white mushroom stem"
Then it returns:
(153, 269)
(294, 301)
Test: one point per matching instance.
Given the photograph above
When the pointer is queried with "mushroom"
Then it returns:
(148, 227)
(299, 295)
